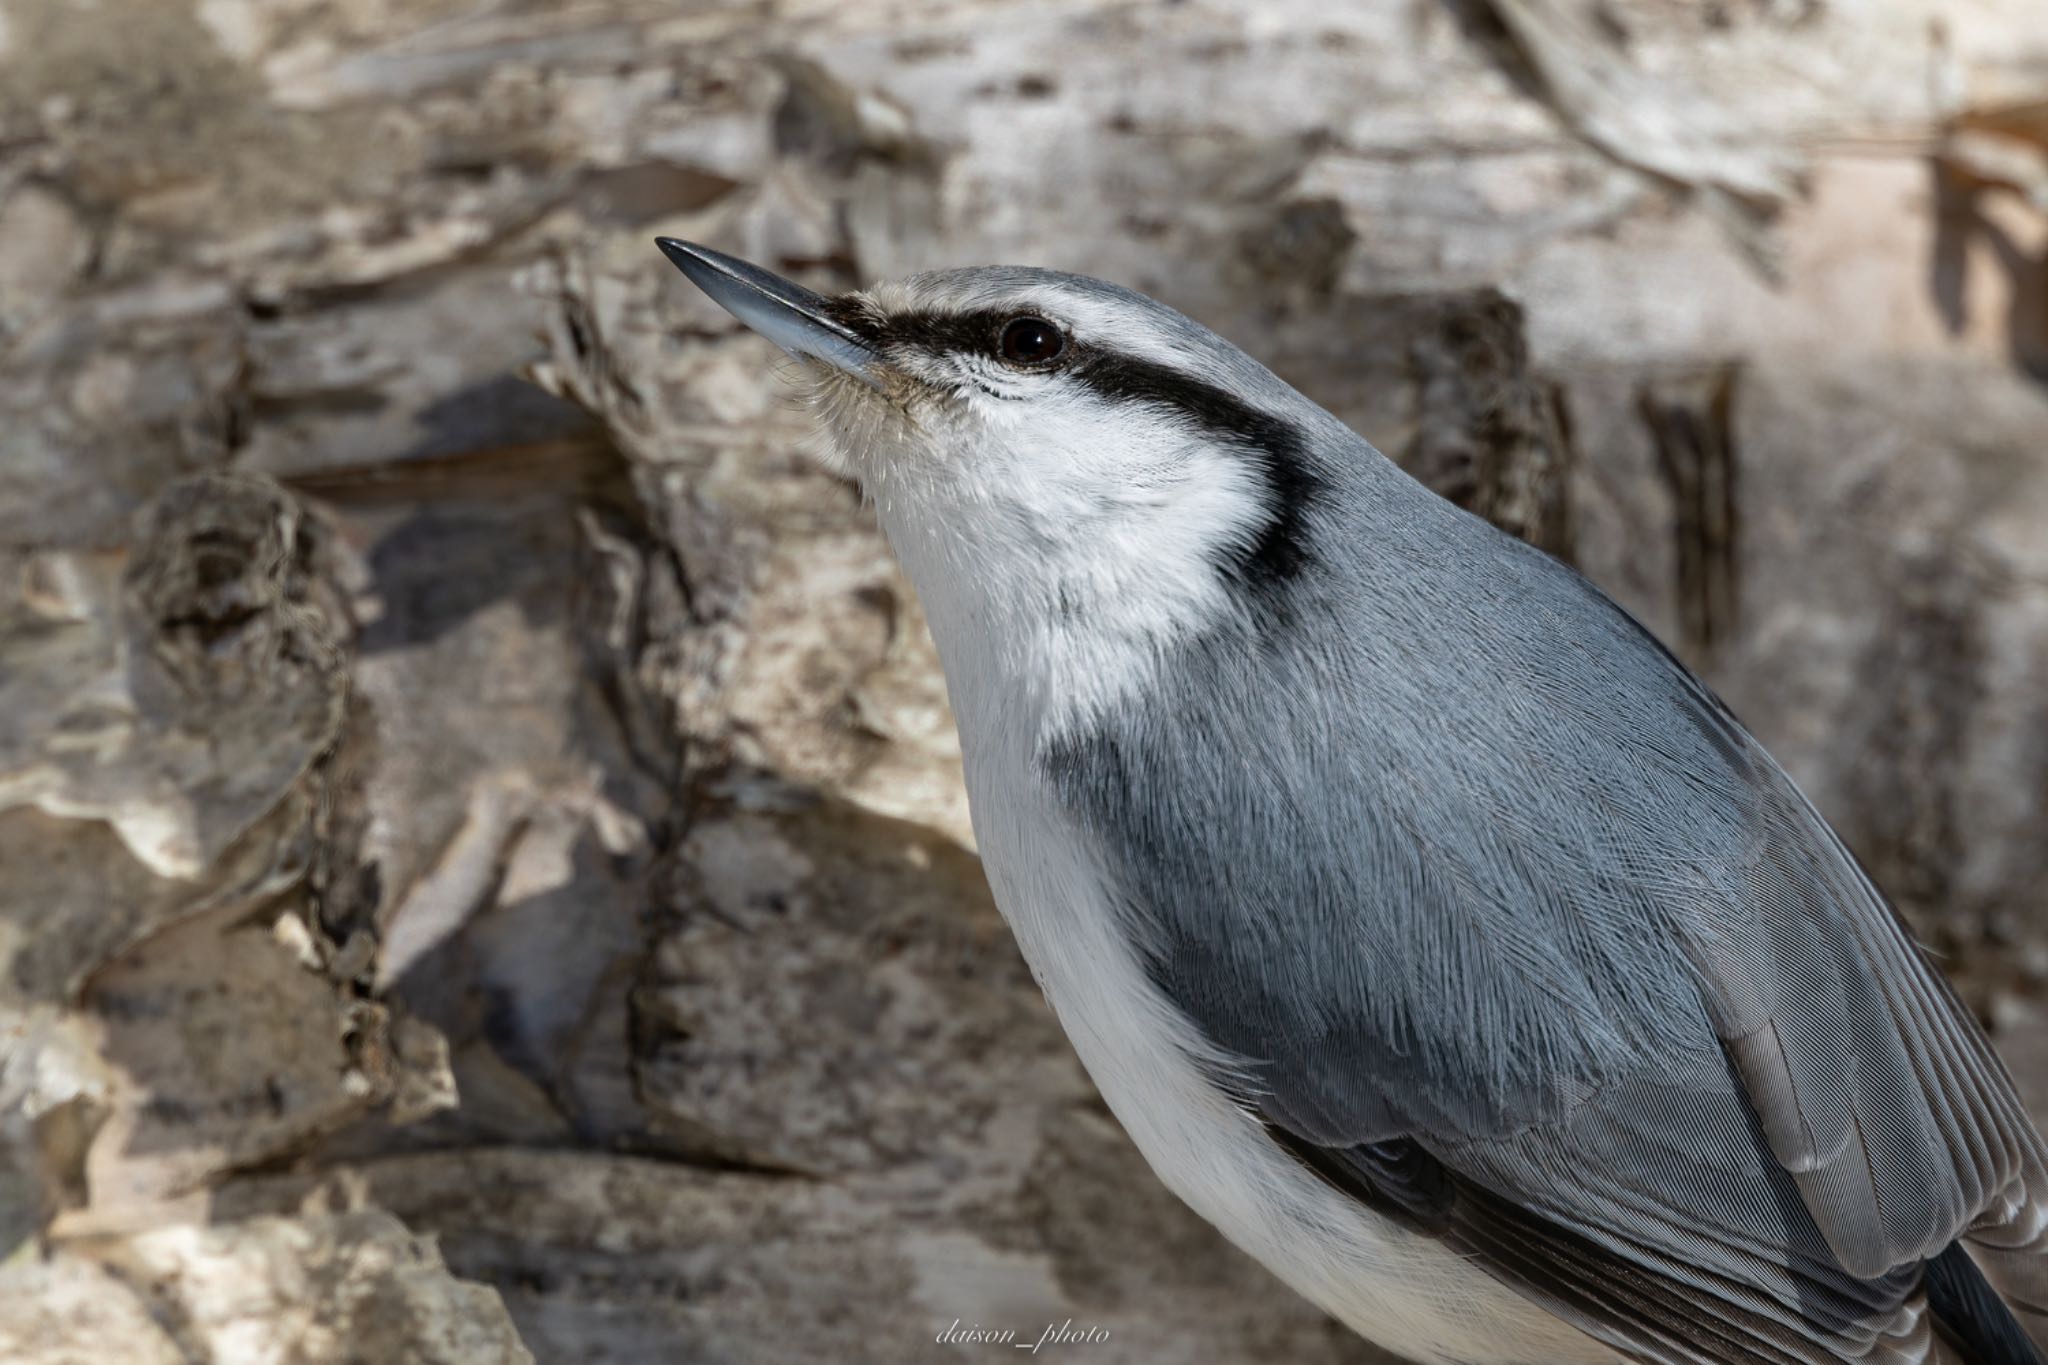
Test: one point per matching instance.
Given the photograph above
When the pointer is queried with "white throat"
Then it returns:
(1054, 569)
(1050, 606)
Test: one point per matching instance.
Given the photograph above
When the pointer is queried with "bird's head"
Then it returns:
(1051, 451)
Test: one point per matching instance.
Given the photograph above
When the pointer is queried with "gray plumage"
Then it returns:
(1469, 820)
(1504, 926)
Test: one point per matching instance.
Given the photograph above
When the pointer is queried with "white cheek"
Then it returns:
(1058, 543)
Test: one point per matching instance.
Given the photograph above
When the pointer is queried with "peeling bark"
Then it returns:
(524, 816)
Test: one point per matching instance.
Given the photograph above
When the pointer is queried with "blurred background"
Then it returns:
(483, 873)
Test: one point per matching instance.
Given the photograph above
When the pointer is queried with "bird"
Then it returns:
(1431, 929)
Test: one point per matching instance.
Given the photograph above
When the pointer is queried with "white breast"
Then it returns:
(1043, 622)
(1405, 1291)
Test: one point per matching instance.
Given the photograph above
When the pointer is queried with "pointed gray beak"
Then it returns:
(786, 313)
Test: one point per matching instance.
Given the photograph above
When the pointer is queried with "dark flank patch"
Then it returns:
(1619, 1299)
(1396, 1179)
(1276, 448)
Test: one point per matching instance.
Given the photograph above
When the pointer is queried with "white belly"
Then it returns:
(1404, 1291)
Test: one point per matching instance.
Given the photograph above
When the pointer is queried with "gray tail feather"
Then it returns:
(1971, 1317)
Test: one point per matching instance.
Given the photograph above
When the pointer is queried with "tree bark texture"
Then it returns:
(483, 868)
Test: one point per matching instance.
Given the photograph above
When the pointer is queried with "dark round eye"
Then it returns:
(1032, 341)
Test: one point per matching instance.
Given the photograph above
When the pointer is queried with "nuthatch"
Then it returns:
(1431, 929)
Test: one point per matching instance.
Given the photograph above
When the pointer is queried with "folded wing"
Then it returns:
(1521, 934)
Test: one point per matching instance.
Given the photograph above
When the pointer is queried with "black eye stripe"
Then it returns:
(975, 333)
(1276, 447)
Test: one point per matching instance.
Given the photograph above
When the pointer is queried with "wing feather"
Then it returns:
(1519, 890)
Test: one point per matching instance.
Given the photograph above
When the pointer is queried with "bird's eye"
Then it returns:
(1032, 342)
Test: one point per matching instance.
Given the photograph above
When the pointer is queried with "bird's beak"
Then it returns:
(786, 313)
